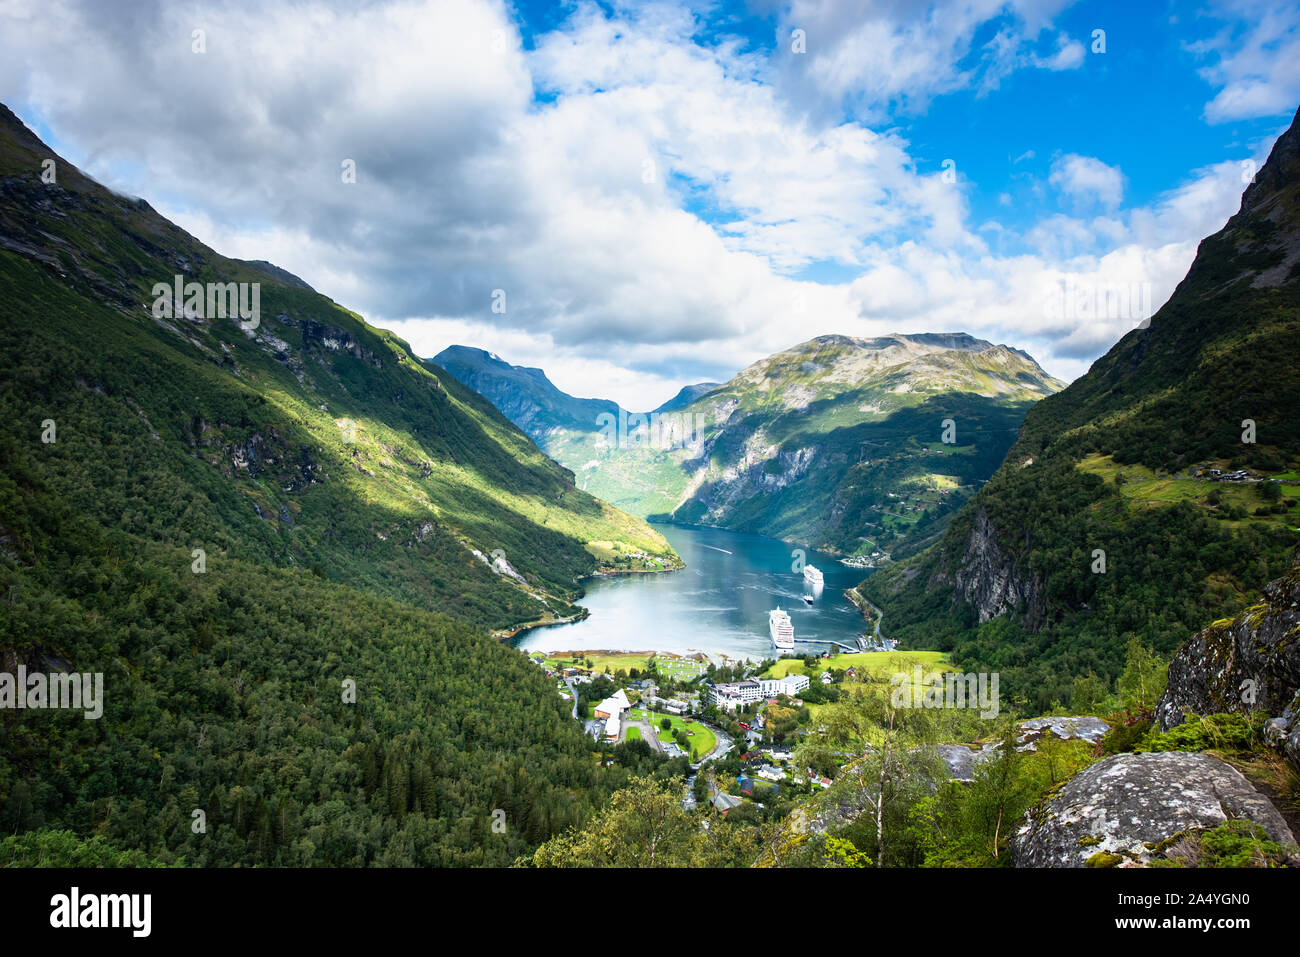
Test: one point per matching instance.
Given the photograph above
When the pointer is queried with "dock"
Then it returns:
(826, 641)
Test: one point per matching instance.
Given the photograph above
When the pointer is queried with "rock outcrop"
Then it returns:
(1125, 805)
(1243, 664)
(990, 580)
(1066, 728)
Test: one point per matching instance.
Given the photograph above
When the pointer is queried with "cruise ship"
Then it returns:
(778, 623)
(812, 574)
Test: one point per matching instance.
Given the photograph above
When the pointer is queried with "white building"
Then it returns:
(613, 706)
(789, 685)
(729, 696)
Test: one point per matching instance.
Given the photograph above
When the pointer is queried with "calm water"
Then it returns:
(717, 604)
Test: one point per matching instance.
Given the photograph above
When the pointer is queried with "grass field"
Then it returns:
(615, 661)
(880, 664)
(702, 740)
(1144, 489)
(679, 669)
(633, 734)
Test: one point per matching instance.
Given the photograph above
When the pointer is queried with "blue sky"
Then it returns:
(668, 191)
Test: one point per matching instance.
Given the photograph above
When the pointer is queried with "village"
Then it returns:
(731, 729)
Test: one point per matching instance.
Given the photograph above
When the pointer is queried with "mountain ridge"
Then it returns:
(761, 434)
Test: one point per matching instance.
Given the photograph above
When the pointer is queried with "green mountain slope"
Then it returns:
(228, 522)
(313, 440)
(837, 442)
(1119, 463)
(840, 442)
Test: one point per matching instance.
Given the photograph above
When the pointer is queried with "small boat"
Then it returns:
(808, 599)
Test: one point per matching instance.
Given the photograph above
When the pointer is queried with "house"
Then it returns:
(725, 802)
(769, 773)
(612, 727)
(826, 677)
(613, 706)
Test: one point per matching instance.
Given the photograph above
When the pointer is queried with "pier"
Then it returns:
(825, 641)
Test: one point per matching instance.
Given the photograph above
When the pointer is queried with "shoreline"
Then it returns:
(505, 634)
(616, 572)
(581, 652)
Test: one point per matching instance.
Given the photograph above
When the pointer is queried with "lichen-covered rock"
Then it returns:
(1066, 728)
(1121, 805)
(1243, 664)
(962, 759)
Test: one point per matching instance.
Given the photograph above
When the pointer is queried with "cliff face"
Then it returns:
(990, 579)
(1242, 664)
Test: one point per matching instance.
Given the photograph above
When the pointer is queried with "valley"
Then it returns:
(284, 585)
(853, 446)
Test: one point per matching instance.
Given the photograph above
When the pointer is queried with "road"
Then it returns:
(722, 747)
(573, 692)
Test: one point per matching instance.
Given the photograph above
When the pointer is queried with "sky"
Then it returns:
(639, 196)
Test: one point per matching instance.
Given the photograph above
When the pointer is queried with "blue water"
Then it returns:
(718, 604)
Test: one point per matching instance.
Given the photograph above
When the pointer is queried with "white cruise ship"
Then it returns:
(778, 623)
(812, 574)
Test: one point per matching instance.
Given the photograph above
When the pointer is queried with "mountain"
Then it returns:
(837, 442)
(840, 442)
(523, 395)
(686, 395)
(1115, 513)
(279, 538)
(312, 440)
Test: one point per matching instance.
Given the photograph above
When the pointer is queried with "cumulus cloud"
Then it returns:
(652, 206)
(1257, 70)
(903, 54)
(1088, 179)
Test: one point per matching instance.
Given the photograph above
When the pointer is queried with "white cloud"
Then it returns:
(904, 54)
(1088, 179)
(1257, 69)
(619, 284)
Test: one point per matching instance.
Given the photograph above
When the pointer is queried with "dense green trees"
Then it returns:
(644, 825)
